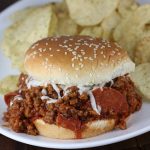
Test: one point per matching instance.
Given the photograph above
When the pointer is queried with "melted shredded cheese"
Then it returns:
(17, 97)
(31, 82)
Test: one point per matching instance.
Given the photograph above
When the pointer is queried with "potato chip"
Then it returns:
(22, 34)
(141, 79)
(60, 9)
(95, 31)
(65, 26)
(142, 51)
(8, 84)
(90, 12)
(133, 28)
(20, 14)
(126, 6)
(40, 21)
(109, 24)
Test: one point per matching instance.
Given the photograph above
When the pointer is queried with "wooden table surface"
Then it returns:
(138, 143)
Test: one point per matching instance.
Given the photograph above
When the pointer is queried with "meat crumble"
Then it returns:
(74, 106)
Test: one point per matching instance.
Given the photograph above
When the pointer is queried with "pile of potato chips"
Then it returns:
(123, 21)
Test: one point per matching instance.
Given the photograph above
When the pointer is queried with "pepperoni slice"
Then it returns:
(111, 101)
(8, 97)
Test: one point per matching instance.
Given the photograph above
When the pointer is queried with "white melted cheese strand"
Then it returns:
(55, 87)
(93, 103)
(50, 100)
(96, 108)
(31, 82)
(111, 82)
(83, 89)
(44, 92)
(17, 97)
(65, 89)
(45, 97)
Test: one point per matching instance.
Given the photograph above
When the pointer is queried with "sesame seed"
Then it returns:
(65, 53)
(40, 49)
(83, 53)
(74, 52)
(81, 59)
(116, 49)
(70, 49)
(102, 46)
(60, 45)
(102, 52)
(46, 43)
(72, 65)
(77, 44)
(65, 46)
(51, 55)
(73, 59)
(65, 41)
(71, 39)
(44, 49)
(90, 58)
(77, 69)
(76, 47)
(82, 66)
(58, 50)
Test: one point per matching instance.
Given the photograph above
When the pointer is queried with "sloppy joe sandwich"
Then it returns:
(75, 87)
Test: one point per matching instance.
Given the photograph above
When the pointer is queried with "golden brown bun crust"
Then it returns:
(76, 60)
(92, 129)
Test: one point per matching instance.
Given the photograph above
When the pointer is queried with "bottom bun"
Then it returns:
(92, 129)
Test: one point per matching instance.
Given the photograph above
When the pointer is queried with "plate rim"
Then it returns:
(71, 145)
(12, 8)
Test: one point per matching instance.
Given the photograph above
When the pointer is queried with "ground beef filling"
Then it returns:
(72, 107)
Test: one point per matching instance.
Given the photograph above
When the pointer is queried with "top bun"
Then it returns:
(76, 60)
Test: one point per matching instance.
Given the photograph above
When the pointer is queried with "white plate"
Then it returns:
(138, 123)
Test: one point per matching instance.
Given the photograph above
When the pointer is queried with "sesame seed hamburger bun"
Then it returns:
(76, 60)
(80, 61)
